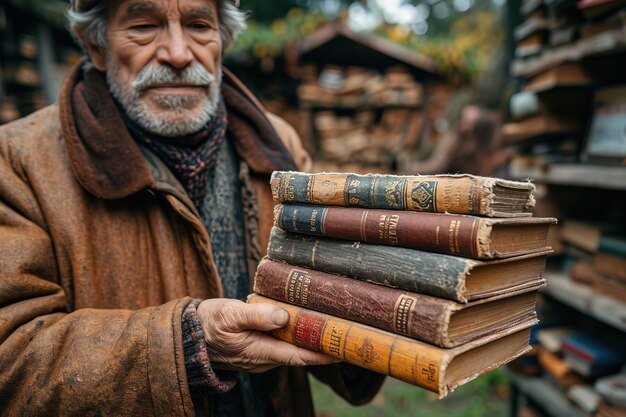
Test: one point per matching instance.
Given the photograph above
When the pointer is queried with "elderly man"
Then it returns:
(132, 216)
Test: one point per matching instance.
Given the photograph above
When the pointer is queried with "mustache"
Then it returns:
(153, 75)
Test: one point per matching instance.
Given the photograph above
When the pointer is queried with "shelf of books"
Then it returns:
(359, 117)
(582, 297)
(543, 392)
(573, 174)
(567, 123)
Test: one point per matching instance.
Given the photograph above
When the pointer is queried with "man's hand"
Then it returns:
(233, 332)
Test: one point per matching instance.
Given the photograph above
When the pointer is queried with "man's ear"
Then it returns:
(97, 56)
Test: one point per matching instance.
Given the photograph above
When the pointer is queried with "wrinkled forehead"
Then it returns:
(83, 5)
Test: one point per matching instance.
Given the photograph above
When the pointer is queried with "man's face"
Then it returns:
(163, 62)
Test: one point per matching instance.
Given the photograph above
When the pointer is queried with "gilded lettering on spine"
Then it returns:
(402, 313)
(297, 289)
(430, 372)
(308, 331)
(335, 341)
(453, 236)
(388, 228)
(367, 352)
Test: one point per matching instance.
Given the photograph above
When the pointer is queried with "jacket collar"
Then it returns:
(109, 164)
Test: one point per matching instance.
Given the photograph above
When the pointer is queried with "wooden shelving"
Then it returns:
(580, 297)
(546, 395)
(575, 174)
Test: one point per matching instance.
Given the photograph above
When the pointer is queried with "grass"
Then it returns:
(485, 396)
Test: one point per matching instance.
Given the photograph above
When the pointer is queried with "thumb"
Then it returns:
(263, 317)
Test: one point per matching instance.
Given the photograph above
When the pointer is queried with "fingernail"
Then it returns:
(280, 317)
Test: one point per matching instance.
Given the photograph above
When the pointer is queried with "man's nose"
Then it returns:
(174, 49)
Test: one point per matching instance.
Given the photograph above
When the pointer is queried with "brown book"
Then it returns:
(542, 124)
(436, 369)
(460, 194)
(584, 235)
(610, 287)
(566, 74)
(434, 320)
(593, 9)
(454, 234)
(559, 370)
(609, 410)
(452, 277)
(532, 45)
(583, 272)
(611, 265)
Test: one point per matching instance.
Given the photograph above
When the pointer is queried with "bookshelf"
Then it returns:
(573, 184)
(36, 50)
(581, 297)
(544, 394)
(574, 174)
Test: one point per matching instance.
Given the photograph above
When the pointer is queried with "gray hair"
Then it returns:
(90, 26)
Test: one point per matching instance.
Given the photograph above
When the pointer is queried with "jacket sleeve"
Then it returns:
(55, 361)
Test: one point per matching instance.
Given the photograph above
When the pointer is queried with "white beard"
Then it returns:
(177, 119)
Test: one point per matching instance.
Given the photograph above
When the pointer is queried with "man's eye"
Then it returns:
(143, 27)
(199, 25)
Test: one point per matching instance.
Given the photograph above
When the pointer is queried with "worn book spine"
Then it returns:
(411, 314)
(460, 194)
(412, 270)
(409, 360)
(451, 234)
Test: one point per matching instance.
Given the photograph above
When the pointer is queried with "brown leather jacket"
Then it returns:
(100, 252)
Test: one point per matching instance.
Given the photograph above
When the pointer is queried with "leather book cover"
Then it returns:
(454, 234)
(434, 320)
(436, 369)
(446, 276)
(460, 194)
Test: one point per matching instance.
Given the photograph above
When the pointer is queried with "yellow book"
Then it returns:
(436, 369)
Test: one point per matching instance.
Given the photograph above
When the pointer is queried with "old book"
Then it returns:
(610, 265)
(606, 140)
(610, 410)
(452, 277)
(591, 357)
(434, 320)
(558, 369)
(454, 234)
(542, 125)
(610, 287)
(550, 338)
(583, 272)
(531, 45)
(583, 235)
(585, 397)
(436, 369)
(460, 194)
(566, 74)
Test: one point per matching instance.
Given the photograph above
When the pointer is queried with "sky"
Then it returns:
(365, 16)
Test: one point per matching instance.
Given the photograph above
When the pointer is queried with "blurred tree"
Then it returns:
(267, 11)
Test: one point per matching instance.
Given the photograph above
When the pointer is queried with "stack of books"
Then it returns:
(429, 279)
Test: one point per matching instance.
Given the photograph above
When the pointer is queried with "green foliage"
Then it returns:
(262, 39)
(484, 396)
(462, 53)
(465, 51)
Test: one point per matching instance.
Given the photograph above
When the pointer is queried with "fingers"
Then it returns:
(234, 338)
(264, 352)
(287, 354)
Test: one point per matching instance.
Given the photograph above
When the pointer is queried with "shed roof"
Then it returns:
(337, 44)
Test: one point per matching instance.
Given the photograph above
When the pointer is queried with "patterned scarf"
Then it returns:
(190, 158)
